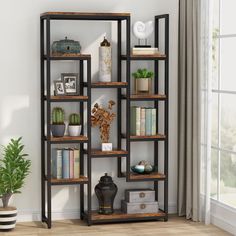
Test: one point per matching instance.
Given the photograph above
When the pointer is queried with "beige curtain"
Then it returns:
(189, 109)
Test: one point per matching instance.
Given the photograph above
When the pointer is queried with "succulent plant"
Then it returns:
(74, 119)
(143, 73)
(58, 116)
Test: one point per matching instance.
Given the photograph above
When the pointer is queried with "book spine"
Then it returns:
(138, 121)
(76, 163)
(54, 163)
(154, 128)
(59, 163)
(71, 163)
(142, 122)
(133, 121)
(148, 124)
(66, 164)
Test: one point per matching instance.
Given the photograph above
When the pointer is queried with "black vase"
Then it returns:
(106, 191)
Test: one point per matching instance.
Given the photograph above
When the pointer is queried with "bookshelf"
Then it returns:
(121, 85)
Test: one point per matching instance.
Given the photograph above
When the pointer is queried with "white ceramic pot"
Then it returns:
(105, 64)
(143, 84)
(7, 218)
(74, 130)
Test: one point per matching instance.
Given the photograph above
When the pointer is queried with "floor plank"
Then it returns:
(175, 226)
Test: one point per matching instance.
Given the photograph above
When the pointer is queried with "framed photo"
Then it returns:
(59, 88)
(71, 83)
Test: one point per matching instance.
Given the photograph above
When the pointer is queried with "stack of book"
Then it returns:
(143, 121)
(65, 163)
(144, 51)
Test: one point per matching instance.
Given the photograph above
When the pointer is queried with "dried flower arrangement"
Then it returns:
(103, 118)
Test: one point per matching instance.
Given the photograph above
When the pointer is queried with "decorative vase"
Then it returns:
(7, 218)
(143, 85)
(105, 61)
(74, 130)
(58, 130)
(106, 191)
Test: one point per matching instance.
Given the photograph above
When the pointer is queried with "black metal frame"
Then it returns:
(46, 141)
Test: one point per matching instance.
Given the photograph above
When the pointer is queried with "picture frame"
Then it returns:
(59, 88)
(70, 81)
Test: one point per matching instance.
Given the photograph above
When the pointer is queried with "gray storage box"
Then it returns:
(133, 208)
(139, 195)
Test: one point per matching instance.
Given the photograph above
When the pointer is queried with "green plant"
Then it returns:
(14, 168)
(74, 119)
(143, 73)
(58, 116)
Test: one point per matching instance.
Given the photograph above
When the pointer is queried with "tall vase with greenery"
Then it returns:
(14, 168)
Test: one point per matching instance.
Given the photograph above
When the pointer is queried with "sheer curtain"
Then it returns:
(194, 109)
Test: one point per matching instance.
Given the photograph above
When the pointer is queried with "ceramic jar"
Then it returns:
(105, 61)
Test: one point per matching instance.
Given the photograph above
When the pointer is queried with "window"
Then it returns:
(223, 160)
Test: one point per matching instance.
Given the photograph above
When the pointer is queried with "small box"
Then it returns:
(135, 207)
(139, 195)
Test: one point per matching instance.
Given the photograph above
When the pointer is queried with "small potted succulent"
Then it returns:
(74, 125)
(143, 79)
(58, 125)
(14, 168)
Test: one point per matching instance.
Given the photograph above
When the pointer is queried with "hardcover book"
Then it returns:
(154, 128)
(76, 163)
(65, 163)
(71, 163)
(142, 121)
(56, 165)
(148, 124)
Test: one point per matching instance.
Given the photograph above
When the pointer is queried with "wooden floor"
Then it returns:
(175, 226)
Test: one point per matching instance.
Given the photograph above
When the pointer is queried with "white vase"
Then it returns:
(105, 64)
(74, 130)
(8, 218)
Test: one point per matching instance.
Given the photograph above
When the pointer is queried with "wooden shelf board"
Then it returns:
(146, 96)
(69, 138)
(154, 175)
(100, 153)
(68, 57)
(83, 14)
(109, 84)
(146, 138)
(119, 215)
(145, 57)
(80, 180)
(69, 98)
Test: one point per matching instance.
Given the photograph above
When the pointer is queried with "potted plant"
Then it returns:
(143, 79)
(14, 168)
(74, 125)
(58, 125)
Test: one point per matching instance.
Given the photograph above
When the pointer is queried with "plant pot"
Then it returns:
(74, 130)
(7, 218)
(143, 85)
(58, 130)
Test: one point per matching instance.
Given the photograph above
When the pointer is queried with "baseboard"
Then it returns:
(34, 215)
(221, 223)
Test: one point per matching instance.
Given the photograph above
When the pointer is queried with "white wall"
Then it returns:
(20, 89)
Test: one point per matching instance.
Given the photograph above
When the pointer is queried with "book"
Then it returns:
(66, 163)
(138, 121)
(56, 164)
(154, 128)
(71, 163)
(145, 51)
(148, 123)
(142, 121)
(76, 163)
(133, 120)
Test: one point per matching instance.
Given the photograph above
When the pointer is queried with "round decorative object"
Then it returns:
(105, 61)
(140, 169)
(8, 218)
(106, 191)
(143, 30)
(65, 47)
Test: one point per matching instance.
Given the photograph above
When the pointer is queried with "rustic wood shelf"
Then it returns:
(156, 137)
(145, 177)
(68, 139)
(145, 57)
(114, 153)
(145, 97)
(70, 57)
(119, 216)
(84, 14)
(107, 84)
(67, 98)
(81, 180)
